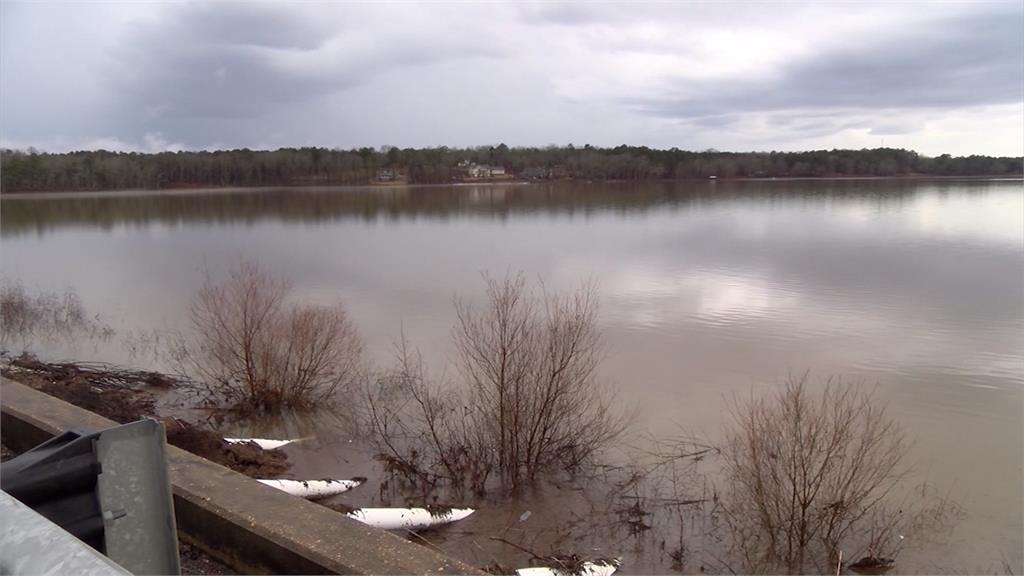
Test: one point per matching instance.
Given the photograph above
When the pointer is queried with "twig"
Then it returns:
(533, 554)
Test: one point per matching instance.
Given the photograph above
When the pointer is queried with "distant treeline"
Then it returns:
(102, 170)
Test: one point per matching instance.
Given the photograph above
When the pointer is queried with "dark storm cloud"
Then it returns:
(968, 61)
(806, 124)
(216, 60)
(252, 24)
(237, 60)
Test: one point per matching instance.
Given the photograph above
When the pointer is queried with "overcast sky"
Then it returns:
(934, 77)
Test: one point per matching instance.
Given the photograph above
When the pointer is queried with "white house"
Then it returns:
(484, 171)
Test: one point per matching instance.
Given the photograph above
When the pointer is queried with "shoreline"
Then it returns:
(186, 191)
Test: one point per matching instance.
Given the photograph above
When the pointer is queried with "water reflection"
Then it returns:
(854, 201)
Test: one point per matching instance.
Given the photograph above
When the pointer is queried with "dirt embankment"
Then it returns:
(126, 396)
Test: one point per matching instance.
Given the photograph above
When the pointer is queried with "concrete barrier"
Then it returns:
(248, 526)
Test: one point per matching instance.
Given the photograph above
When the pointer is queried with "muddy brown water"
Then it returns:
(708, 290)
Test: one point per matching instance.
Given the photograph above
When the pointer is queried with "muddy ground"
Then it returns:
(126, 396)
(193, 561)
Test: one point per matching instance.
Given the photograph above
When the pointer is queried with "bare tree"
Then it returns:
(530, 363)
(528, 400)
(809, 475)
(252, 348)
(427, 430)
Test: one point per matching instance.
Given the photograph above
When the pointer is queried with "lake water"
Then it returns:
(708, 290)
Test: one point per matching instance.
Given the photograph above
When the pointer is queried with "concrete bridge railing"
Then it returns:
(248, 526)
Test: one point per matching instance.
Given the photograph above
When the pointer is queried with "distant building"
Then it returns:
(387, 175)
(474, 170)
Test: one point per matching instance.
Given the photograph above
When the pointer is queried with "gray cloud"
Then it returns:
(228, 60)
(563, 13)
(965, 61)
(253, 24)
(893, 129)
(732, 76)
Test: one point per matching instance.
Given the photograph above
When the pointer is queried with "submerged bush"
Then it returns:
(527, 402)
(809, 475)
(26, 316)
(250, 348)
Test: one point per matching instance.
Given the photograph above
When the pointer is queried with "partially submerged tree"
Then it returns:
(528, 400)
(252, 348)
(530, 363)
(428, 430)
(809, 475)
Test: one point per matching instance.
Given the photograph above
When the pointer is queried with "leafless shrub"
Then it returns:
(426, 430)
(666, 498)
(250, 348)
(530, 363)
(809, 475)
(528, 400)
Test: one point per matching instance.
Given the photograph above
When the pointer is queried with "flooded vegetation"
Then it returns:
(249, 348)
(30, 319)
(807, 476)
(125, 395)
(527, 401)
(636, 394)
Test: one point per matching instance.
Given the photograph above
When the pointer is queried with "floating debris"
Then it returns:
(261, 442)
(408, 518)
(872, 565)
(573, 566)
(313, 489)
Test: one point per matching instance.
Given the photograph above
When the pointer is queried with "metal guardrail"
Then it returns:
(107, 489)
(248, 526)
(31, 544)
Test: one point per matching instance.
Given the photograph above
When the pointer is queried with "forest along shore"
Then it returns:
(33, 171)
